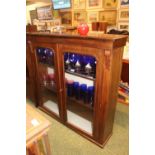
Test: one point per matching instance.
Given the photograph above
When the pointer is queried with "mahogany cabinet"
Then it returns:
(30, 75)
(77, 79)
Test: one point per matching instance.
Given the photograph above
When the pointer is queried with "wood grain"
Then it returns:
(108, 51)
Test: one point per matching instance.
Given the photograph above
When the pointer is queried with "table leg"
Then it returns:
(36, 148)
(47, 144)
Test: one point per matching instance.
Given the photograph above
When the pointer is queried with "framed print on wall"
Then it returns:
(123, 26)
(123, 14)
(44, 13)
(79, 4)
(94, 4)
(108, 16)
(110, 4)
(66, 17)
(124, 3)
(33, 15)
(92, 16)
(79, 16)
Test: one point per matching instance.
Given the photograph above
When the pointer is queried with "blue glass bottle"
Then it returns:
(43, 55)
(90, 95)
(70, 88)
(76, 90)
(73, 60)
(83, 92)
(49, 57)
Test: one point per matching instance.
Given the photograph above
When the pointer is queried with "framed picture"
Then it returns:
(110, 4)
(124, 3)
(66, 18)
(44, 13)
(94, 4)
(109, 16)
(123, 14)
(92, 16)
(123, 26)
(79, 4)
(79, 16)
(33, 15)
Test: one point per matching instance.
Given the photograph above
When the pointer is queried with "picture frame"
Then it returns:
(92, 16)
(33, 15)
(66, 17)
(110, 4)
(124, 3)
(79, 17)
(109, 16)
(123, 26)
(79, 4)
(94, 4)
(123, 15)
(44, 13)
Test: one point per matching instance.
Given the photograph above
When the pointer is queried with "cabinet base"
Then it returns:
(88, 137)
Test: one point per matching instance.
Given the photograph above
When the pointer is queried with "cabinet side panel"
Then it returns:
(113, 92)
(31, 71)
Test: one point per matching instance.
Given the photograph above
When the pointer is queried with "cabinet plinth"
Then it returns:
(80, 89)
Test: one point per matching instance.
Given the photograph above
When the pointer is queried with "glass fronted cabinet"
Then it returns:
(80, 69)
(77, 80)
(47, 83)
(80, 73)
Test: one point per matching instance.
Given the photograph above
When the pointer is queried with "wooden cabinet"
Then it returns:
(77, 80)
(30, 75)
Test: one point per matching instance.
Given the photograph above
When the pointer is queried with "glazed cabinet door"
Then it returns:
(79, 73)
(47, 77)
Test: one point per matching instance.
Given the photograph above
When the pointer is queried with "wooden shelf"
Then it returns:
(86, 105)
(81, 75)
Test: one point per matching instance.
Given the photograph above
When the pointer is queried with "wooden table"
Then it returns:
(36, 129)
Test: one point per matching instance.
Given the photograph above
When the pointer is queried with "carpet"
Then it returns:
(64, 141)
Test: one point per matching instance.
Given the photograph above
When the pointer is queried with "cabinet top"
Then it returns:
(91, 35)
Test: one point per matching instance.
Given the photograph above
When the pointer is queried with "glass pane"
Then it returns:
(48, 92)
(80, 73)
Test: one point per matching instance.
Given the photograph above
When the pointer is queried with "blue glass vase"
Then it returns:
(49, 57)
(76, 90)
(90, 95)
(70, 88)
(73, 60)
(83, 92)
